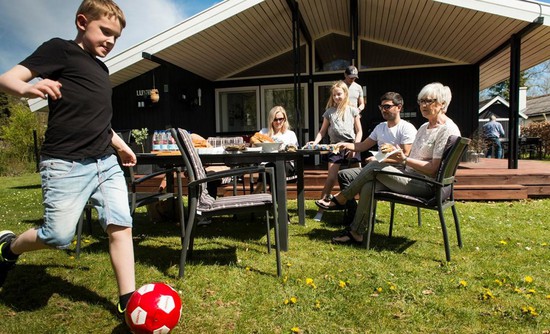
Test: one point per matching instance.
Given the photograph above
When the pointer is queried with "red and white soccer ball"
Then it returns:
(153, 308)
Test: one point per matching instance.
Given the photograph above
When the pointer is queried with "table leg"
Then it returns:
(301, 192)
(280, 180)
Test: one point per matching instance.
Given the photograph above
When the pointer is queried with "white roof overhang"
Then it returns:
(235, 35)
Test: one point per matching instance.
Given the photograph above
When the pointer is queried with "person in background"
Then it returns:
(392, 134)
(356, 98)
(492, 131)
(279, 131)
(424, 159)
(342, 122)
(78, 158)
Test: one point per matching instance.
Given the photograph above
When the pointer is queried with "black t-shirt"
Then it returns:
(79, 124)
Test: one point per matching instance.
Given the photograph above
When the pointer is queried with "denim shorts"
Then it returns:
(66, 188)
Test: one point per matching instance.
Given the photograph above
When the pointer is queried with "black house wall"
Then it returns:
(178, 104)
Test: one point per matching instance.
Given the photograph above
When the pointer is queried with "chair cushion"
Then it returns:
(229, 202)
(385, 195)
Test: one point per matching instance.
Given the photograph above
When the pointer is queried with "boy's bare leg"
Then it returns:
(122, 257)
(26, 242)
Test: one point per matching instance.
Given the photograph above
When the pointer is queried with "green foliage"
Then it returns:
(498, 282)
(140, 136)
(17, 138)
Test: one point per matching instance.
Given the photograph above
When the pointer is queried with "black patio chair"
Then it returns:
(443, 196)
(137, 198)
(201, 204)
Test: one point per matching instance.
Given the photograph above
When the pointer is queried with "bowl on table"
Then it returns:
(269, 147)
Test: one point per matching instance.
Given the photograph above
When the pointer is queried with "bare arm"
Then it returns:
(425, 167)
(358, 129)
(361, 103)
(127, 156)
(16, 82)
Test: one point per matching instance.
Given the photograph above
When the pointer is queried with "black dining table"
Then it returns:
(247, 158)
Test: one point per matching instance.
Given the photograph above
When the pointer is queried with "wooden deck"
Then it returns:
(489, 179)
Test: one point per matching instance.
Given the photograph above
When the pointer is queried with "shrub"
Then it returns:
(17, 154)
(541, 130)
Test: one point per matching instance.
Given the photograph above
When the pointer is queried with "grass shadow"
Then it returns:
(378, 242)
(38, 287)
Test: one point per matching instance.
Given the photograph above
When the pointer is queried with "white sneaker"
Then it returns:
(203, 221)
(318, 216)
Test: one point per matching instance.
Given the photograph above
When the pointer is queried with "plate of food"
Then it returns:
(234, 148)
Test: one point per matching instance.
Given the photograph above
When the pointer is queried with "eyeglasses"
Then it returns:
(282, 119)
(386, 106)
(427, 102)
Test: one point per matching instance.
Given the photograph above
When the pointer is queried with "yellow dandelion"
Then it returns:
(296, 329)
(462, 284)
(528, 279)
(342, 284)
(247, 268)
(286, 302)
(503, 242)
(518, 290)
(547, 296)
(288, 264)
(317, 304)
(531, 291)
(293, 300)
(285, 279)
(487, 294)
(392, 286)
(499, 282)
(309, 281)
(379, 289)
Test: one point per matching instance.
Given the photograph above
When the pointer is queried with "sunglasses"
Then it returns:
(427, 102)
(386, 106)
(279, 119)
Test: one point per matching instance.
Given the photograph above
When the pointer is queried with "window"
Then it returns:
(283, 95)
(237, 109)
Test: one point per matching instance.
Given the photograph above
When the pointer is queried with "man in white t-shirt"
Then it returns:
(394, 131)
(356, 98)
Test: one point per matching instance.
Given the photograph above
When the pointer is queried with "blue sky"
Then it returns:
(25, 24)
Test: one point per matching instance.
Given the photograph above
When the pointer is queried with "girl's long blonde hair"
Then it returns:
(274, 111)
(340, 107)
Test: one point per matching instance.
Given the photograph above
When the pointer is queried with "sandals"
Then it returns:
(351, 240)
(336, 206)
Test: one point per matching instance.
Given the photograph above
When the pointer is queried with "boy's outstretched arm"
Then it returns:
(16, 82)
(127, 156)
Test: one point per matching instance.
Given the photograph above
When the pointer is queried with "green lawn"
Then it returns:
(498, 283)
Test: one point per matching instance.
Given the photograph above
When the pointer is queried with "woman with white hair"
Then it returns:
(424, 159)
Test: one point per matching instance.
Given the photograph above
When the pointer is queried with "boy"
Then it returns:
(78, 161)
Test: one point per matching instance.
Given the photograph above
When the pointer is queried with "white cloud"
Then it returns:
(25, 24)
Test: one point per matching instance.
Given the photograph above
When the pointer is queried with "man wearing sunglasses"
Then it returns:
(394, 133)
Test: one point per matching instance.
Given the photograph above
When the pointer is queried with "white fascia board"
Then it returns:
(37, 104)
(183, 30)
(516, 9)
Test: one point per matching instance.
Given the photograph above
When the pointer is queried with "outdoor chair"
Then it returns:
(137, 198)
(201, 204)
(443, 196)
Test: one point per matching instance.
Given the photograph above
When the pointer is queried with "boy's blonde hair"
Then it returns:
(340, 107)
(95, 9)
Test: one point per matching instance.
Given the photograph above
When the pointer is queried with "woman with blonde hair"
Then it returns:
(342, 122)
(279, 127)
